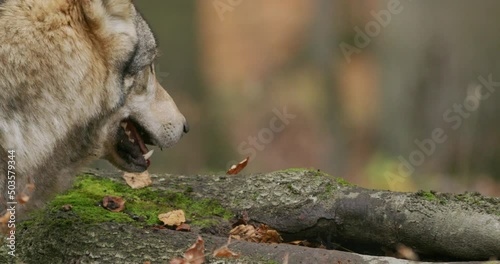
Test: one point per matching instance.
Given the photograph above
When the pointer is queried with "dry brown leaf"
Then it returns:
(4, 219)
(296, 242)
(194, 255)
(225, 252)
(66, 207)
(23, 198)
(158, 227)
(137, 180)
(244, 232)
(173, 218)
(406, 253)
(261, 234)
(25, 195)
(235, 169)
(113, 203)
(184, 227)
(285, 258)
(268, 235)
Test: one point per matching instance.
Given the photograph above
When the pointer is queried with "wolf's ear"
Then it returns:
(112, 15)
(112, 22)
(99, 8)
(118, 8)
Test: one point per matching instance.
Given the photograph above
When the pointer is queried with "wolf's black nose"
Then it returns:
(186, 127)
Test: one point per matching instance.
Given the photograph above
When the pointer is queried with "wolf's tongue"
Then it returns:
(135, 136)
(130, 127)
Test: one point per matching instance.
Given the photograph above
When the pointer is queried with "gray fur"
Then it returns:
(145, 51)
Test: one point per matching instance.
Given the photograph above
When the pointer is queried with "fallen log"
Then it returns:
(120, 243)
(299, 204)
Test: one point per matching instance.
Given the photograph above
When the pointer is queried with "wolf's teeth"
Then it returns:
(148, 155)
(124, 125)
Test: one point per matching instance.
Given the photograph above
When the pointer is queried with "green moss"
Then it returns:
(429, 196)
(145, 204)
(343, 182)
(329, 187)
(467, 197)
(188, 190)
(474, 200)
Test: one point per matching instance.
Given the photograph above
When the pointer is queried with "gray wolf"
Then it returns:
(77, 83)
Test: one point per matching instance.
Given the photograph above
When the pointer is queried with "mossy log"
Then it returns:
(300, 204)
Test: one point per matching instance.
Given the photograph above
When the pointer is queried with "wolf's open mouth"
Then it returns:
(131, 147)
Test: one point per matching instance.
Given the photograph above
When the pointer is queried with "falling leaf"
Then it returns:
(183, 227)
(113, 203)
(137, 180)
(173, 218)
(225, 252)
(194, 255)
(235, 169)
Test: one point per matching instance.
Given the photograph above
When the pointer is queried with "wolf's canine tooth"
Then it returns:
(148, 155)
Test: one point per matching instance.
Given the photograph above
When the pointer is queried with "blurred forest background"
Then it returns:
(363, 80)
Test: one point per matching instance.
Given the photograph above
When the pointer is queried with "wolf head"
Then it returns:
(148, 115)
(146, 112)
(78, 83)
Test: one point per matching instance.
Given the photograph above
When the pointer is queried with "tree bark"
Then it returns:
(300, 205)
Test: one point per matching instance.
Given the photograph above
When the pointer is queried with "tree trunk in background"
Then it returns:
(430, 62)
